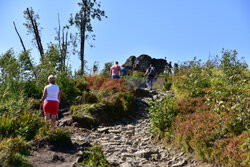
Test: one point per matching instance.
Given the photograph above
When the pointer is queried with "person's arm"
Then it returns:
(110, 72)
(120, 71)
(59, 95)
(44, 94)
(146, 73)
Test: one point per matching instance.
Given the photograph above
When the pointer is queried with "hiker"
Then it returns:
(151, 71)
(123, 70)
(115, 71)
(170, 67)
(51, 99)
(166, 67)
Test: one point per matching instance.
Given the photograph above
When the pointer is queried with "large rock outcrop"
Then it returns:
(145, 61)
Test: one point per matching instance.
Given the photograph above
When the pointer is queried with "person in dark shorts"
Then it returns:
(151, 72)
(123, 70)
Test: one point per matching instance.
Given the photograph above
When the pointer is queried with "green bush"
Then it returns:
(59, 137)
(93, 157)
(162, 114)
(114, 106)
(210, 115)
(68, 88)
(86, 97)
(26, 125)
(81, 83)
(12, 151)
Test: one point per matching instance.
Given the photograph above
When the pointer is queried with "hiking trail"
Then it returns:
(127, 143)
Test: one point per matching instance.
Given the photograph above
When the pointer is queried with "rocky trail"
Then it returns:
(127, 143)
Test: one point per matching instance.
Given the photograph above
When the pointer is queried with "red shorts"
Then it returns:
(50, 107)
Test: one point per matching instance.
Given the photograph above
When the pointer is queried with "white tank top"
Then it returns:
(52, 92)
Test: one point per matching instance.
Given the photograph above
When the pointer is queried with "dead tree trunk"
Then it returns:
(36, 33)
(24, 49)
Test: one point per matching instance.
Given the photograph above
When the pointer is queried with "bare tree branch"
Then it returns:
(24, 49)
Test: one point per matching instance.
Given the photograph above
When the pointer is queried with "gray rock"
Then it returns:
(145, 61)
(101, 130)
(154, 97)
(145, 153)
(179, 164)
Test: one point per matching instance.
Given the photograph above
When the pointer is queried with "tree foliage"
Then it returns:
(89, 10)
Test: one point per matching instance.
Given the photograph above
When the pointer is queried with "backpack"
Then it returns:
(152, 72)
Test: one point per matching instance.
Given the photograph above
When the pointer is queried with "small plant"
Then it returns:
(59, 137)
(93, 157)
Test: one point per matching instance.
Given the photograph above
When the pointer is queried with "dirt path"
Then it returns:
(127, 143)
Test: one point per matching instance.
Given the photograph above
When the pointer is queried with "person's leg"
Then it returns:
(47, 116)
(147, 83)
(54, 111)
(151, 83)
(46, 110)
(53, 121)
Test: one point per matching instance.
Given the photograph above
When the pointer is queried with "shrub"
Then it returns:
(94, 157)
(68, 88)
(193, 81)
(113, 107)
(211, 113)
(82, 114)
(25, 125)
(198, 130)
(191, 105)
(12, 151)
(29, 125)
(162, 114)
(81, 83)
(86, 97)
(59, 137)
(8, 126)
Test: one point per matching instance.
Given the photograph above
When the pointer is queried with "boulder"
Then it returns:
(145, 61)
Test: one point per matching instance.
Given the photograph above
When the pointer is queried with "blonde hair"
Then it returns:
(51, 79)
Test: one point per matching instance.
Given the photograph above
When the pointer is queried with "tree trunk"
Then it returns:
(36, 32)
(24, 49)
(83, 25)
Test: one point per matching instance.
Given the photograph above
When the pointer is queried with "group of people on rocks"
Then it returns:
(52, 93)
(151, 73)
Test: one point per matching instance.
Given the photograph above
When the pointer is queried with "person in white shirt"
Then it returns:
(51, 99)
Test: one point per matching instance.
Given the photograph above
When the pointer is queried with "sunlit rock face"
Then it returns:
(144, 62)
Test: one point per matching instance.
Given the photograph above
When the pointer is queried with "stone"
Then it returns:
(179, 164)
(127, 155)
(115, 131)
(145, 153)
(154, 97)
(126, 164)
(131, 144)
(103, 130)
(145, 61)
(79, 159)
(66, 122)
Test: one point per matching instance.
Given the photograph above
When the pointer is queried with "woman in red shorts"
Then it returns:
(51, 99)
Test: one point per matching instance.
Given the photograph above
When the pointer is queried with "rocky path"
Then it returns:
(129, 143)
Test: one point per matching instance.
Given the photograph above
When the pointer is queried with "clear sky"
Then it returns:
(176, 29)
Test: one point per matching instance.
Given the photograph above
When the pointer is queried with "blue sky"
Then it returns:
(176, 29)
